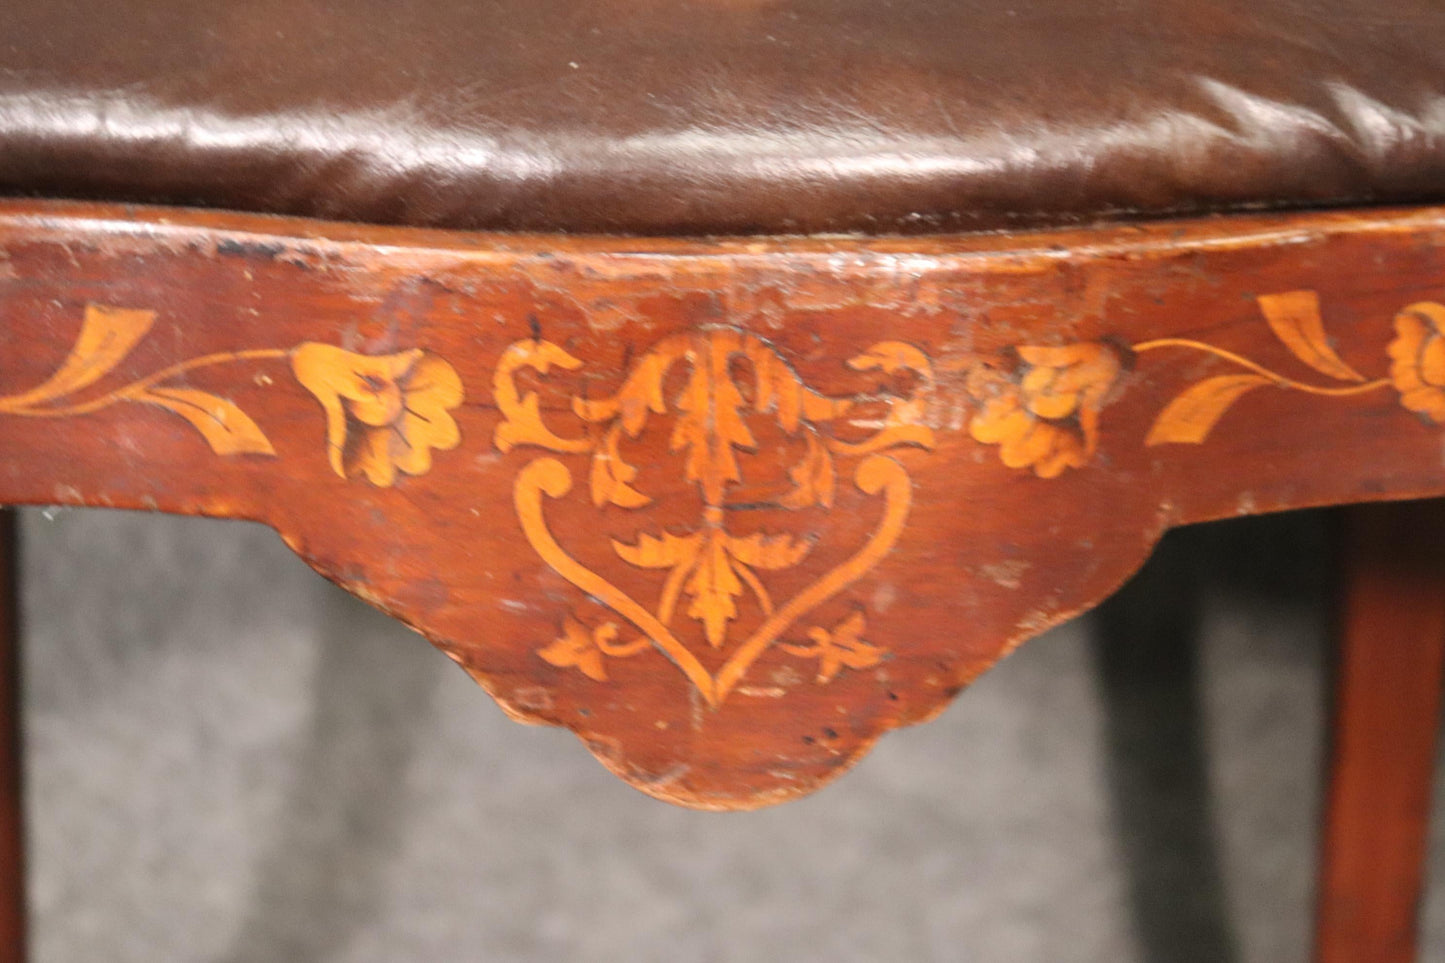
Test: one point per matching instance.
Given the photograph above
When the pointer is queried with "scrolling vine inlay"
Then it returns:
(384, 413)
(1039, 404)
(712, 566)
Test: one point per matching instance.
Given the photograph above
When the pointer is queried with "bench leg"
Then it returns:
(1387, 703)
(12, 828)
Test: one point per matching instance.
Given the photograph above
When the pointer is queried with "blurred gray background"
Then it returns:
(232, 761)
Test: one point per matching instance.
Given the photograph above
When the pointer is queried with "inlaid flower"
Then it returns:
(1417, 359)
(577, 646)
(384, 413)
(1044, 412)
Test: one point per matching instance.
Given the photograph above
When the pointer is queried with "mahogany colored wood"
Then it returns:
(1391, 657)
(12, 822)
(729, 510)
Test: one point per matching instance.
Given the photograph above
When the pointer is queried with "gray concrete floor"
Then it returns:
(232, 761)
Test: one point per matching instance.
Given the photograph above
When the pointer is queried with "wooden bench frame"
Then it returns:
(732, 509)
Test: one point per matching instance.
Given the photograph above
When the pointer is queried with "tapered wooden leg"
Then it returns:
(12, 830)
(1387, 703)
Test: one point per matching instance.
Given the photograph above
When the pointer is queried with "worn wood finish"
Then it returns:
(1387, 708)
(12, 821)
(728, 510)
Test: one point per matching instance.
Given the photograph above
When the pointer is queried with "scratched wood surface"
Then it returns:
(728, 510)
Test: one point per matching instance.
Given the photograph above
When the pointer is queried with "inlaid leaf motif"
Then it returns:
(226, 428)
(839, 648)
(768, 551)
(712, 587)
(576, 647)
(653, 551)
(1189, 418)
(107, 335)
(640, 394)
(846, 647)
(780, 392)
(904, 423)
(892, 357)
(814, 478)
(710, 424)
(522, 413)
(1294, 316)
(612, 476)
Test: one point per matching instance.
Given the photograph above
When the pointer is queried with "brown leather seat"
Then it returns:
(711, 116)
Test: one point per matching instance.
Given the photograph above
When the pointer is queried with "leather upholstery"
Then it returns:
(725, 116)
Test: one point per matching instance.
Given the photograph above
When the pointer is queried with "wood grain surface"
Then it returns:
(728, 510)
(1389, 672)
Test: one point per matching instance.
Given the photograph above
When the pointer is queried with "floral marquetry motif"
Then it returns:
(709, 570)
(1417, 357)
(1044, 413)
(383, 414)
(1041, 405)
